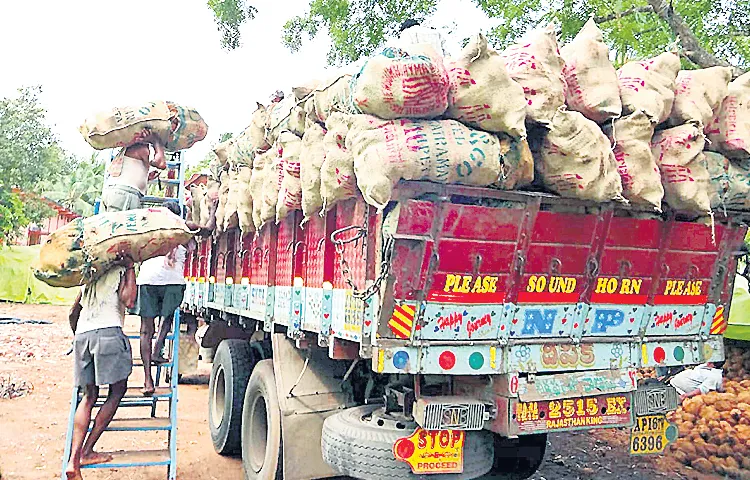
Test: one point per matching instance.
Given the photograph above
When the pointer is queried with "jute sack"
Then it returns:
(230, 208)
(245, 199)
(398, 84)
(87, 247)
(591, 79)
(576, 159)
(224, 151)
(290, 189)
(698, 95)
(332, 96)
(252, 140)
(258, 180)
(729, 132)
(271, 188)
(337, 180)
(123, 126)
(223, 197)
(516, 163)
(648, 86)
(738, 191)
(641, 181)
(187, 128)
(279, 118)
(444, 151)
(482, 94)
(197, 192)
(212, 195)
(538, 67)
(718, 178)
(678, 152)
(311, 160)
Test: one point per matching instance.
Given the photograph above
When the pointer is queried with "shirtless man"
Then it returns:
(129, 174)
(102, 357)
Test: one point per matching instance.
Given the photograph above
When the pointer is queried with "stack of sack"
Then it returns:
(564, 118)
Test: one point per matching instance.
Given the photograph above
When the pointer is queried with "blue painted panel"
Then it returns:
(295, 320)
(555, 358)
(674, 320)
(462, 360)
(544, 321)
(460, 322)
(605, 320)
(282, 307)
(347, 315)
(256, 302)
(313, 311)
(201, 294)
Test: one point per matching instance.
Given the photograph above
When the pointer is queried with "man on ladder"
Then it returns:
(102, 356)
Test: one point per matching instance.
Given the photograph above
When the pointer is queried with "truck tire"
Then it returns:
(231, 369)
(358, 442)
(518, 458)
(261, 426)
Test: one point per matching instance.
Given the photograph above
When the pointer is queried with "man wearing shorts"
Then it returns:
(129, 174)
(102, 356)
(161, 287)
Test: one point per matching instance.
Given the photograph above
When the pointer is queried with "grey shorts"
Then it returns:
(118, 198)
(159, 300)
(101, 357)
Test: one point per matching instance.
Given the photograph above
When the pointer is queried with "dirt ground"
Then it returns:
(32, 426)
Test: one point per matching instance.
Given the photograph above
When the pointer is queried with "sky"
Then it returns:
(92, 55)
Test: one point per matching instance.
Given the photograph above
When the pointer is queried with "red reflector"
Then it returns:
(404, 448)
(447, 360)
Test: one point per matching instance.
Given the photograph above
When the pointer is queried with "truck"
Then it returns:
(449, 334)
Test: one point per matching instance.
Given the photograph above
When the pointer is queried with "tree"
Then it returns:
(229, 16)
(708, 32)
(28, 154)
(79, 188)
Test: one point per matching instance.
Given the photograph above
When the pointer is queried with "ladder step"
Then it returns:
(173, 164)
(167, 181)
(157, 200)
(137, 424)
(135, 392)
(137, 336)
(139, 363)
(138, 458)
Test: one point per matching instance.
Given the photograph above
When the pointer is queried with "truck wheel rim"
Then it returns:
(258, 434)
(219, 396)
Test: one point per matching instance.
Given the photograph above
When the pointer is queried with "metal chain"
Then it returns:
(385, 264)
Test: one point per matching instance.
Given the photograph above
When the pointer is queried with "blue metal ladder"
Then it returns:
(133, 397)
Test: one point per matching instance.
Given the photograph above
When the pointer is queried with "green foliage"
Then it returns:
(28, 149)
(78, 189)
(632, 30)
(12, 215)
(356, 27)
(229, 16)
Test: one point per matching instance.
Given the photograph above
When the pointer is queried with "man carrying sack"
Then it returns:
(102, 356)
(129, 174)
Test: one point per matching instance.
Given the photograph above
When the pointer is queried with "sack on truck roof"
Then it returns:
(245, 200)
(400, 84)
(212, 194)
(252, 140)
(311, 160)
(648, 86)
(86, 248)
(290, 188)
(729, 131)
(223, 195)
(197, 192)
(482, 94)
(641, 181)
(591, 79)
(258, 180)
(333, 96)
(718, 178)
(679, 153)
(576, 160)
(337, 179)
(538, 67)
(230, 207)
(698, 95)
(224, 151)
(442, 151)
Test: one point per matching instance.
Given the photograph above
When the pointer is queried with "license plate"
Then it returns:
(571, 413)
(432, 451)
(655, 399)
(651, 434)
